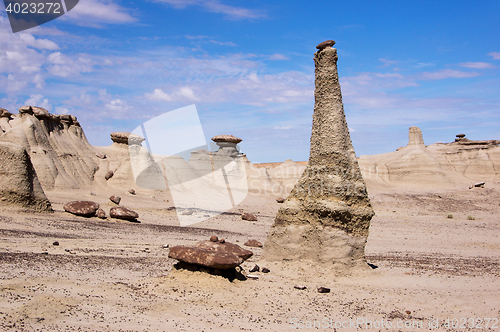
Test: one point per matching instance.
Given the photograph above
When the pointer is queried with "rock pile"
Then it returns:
(327, 215)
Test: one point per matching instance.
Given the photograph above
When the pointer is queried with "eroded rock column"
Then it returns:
(327, 215)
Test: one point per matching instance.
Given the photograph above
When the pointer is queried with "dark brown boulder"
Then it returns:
(225, 247)
(214, 238)
(208, 258)
(101, 214)
(253, 243)
(120, 212)
(280, 200)
(115, 199)
(109, 175)
(323, 290)
(248, 216)
(81, 208)
(325, 44)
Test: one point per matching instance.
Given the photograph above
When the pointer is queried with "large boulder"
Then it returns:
(19, 185)
(225, 247)
(208, 258)
(82, 208)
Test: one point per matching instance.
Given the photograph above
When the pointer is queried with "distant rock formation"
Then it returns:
(56, 144)
(19, 185)
(415, 136)
(327, 215)
(440, 165)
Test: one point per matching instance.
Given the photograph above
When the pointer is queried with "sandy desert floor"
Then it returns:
(432, 272)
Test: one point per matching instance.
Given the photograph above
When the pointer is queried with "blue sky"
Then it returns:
(248, 68)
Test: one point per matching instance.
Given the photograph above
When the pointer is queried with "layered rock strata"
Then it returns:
(327, 215)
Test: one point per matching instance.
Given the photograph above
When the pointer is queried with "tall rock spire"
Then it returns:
(327, 215)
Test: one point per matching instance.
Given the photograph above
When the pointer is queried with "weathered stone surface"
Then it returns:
(115, 199)
(25, 110)
(204, 257)
(41, 113)
(248, 216)
(225, 247)
(4, 113)
(109, 175)
(253, 243)
(120, 212)
(19, 185)
(126, 138)
(101, 214)
(81, 208)
(327, 215)
(325, 44)
(415, 136)
(226, 138)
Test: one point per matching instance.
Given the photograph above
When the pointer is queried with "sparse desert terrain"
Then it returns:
(115, 276)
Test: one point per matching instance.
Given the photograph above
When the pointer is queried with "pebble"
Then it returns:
(256, 268)
(265, 270)
(300, 287)
(56, 243)
(323, 290)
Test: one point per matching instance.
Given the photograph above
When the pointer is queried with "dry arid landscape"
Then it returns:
(405, 241)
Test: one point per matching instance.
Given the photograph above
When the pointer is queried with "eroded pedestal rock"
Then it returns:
(327, 215)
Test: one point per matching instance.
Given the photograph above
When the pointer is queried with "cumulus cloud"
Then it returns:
(182, 94)
(477, 65)
(447, 73)
(65, 66)
(38, 100)
(215, 6)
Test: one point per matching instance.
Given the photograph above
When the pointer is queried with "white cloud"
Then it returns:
(215, 6)
(447, 73)
(158, 95)
(29, 40)
(278, 56)
(94, 13)
(39, 81)
(38, 100)
(117, 105)
(283, 128)
(65, 66)
(495, 55)
(182, 94)
(477, 65)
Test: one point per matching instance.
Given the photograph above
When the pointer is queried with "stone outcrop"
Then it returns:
(440, 165)
(327, 215)
(56, 144)
(19, 185)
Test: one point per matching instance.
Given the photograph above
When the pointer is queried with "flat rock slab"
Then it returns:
(226, 247)
(120, 212)
(248, 216)
(253, 243)
(81, 208)
(204, 257)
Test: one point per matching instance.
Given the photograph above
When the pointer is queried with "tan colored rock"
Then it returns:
(226, 138)
(225, 247)
(253, 243)
(115, 199)
(415, 136)
(327, 215)
(101, 214)
(126, 138)
(19, 185)
(248, 216)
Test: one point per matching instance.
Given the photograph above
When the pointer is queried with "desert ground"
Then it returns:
(434, 257)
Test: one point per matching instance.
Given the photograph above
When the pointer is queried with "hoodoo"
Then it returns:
(327, 215)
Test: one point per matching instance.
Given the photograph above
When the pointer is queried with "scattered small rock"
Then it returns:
(222, 241)
(81, 208)
(101, 214)
(265, 270)
(120, 212)
(115, 199)
(248, 216)
(131, 191)
(214, 239)
(109, 175)
(256, 268)
(408, 312)
(280, 200)
(253, 243)
(480, 184)
(300, 287)
(165, 246)
(92, 194)
(323, 290)
(251, 276)
(100, 154)
(56, 243)
(187, 213)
